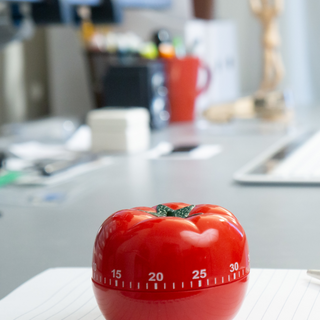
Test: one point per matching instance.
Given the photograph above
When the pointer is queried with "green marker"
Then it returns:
(8, 177)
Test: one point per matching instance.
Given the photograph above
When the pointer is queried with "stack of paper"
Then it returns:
(119, 129)
(66, 293)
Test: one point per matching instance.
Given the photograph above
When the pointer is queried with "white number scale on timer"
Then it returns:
(154, 278)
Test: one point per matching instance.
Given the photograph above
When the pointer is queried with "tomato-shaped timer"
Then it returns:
(171, 262)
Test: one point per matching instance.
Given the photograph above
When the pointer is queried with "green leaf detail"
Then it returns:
(164, 211)
(184, 212)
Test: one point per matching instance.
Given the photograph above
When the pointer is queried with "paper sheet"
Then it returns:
(66, 293)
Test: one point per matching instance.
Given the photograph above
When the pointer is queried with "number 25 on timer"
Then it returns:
(197, 274)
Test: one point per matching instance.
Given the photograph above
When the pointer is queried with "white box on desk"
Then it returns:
(119, 129)
(215, 43)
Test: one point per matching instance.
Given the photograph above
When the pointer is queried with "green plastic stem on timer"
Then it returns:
(164, 211)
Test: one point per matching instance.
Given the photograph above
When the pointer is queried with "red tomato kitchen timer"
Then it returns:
(174, 261)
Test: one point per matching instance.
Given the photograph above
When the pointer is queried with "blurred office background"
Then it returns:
(47, 74)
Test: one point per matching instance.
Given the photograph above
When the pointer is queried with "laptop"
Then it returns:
(295, 159)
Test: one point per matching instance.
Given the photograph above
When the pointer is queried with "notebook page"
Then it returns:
(278, 294)
(66, 293)
(62, 293)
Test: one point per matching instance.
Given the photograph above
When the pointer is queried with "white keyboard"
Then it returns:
(303, 162)
(280, 165)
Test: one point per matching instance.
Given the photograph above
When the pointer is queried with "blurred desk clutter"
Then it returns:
(126, 73)
(123, 64)
(65, 149)
(207, 58)
(139, 82)
(162, 76)
(157, 72)
(47, 151)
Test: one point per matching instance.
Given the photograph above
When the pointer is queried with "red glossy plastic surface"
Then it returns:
(147, 267)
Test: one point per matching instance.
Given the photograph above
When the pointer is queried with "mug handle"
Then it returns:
(209, 78)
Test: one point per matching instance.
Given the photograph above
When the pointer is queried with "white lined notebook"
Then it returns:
(66, 293)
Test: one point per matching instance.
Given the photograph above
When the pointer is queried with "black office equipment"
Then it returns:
(138, 84)
(58, 11)
(47, 12)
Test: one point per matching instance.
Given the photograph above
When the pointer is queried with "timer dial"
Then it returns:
(161, 257)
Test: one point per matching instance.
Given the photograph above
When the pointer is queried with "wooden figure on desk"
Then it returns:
(269, 101)
(273, 70)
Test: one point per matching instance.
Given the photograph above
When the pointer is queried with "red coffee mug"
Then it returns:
(182, 75)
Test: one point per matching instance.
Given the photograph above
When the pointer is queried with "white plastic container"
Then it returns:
(119, 129)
